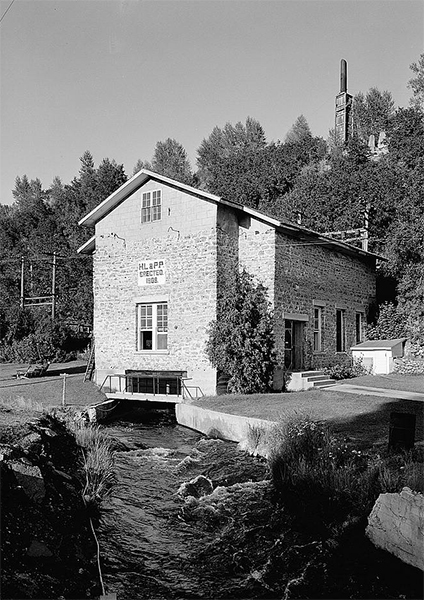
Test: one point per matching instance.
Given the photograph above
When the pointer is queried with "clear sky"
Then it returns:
(116, 76)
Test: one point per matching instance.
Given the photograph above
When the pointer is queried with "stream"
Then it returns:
(156, 544)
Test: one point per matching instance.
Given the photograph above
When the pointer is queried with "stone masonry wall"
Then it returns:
(227, 232)
(257, 253)
(185, 238)
(202, 244)
(308, 274)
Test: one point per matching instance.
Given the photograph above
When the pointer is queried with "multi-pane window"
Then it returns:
(317, 329)
(152, 326)
(151, 206)
(340, 330)
(358, 325)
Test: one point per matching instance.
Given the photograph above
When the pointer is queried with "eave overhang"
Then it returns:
(89, 246)
(303, 235)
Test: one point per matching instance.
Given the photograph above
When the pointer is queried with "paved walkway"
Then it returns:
(372, 391)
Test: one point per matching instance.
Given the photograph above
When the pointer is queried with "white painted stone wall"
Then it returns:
(185, 238)
(396, 524)
(257, 254)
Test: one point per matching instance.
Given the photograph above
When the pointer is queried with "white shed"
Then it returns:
(379, 355)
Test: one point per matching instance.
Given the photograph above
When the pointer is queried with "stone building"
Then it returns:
(161, 251)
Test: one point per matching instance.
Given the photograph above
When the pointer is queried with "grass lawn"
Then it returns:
(393, 381)
(47, 390)
(362, 419)
(24, 400)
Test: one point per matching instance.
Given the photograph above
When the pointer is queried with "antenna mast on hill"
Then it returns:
(343, 116)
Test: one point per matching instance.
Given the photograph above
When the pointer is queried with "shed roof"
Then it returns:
(379, 344)
(302, 234)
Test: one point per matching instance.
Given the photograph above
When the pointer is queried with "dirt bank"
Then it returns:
(47, 547)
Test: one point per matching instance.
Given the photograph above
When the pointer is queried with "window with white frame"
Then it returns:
(151, 206)
(317, 329)
(359, 327)
(152, 326)
(340, 330)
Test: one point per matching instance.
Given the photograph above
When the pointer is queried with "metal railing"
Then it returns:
(187, 388)
(127, 384)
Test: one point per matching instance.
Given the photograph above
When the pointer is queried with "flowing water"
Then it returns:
(232, 541)
(151, 540)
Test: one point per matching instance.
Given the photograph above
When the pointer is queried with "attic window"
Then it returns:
(151, 206)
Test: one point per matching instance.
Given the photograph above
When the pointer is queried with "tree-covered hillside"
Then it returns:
(326, 185)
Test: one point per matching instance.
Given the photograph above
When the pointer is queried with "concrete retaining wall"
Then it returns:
(102, 411)
(245, 430)
(396, 524)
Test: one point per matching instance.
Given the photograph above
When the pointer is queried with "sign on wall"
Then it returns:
(151, 272)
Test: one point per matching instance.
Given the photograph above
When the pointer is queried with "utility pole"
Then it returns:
(366, 226)
(49, 299)
(54, 286)
(22, 283)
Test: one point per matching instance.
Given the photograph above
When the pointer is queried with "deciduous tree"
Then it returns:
(299, 132)
(372, 113)
(224, 143)
(416, 83)
(170, 159)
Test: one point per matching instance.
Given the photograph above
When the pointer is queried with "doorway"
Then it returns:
(293, 345)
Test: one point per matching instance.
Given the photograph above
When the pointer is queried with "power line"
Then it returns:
(40, 259)
(7, 10)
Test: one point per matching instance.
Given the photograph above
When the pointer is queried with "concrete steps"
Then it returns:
(306, 380)
(324, 383)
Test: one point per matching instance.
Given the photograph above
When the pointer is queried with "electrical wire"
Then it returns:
(65, 258)
(7, 10)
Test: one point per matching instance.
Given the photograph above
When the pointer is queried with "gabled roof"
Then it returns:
(131, 186)
(88, 247)
(302, 234)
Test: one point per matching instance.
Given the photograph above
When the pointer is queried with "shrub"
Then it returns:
(324, 481)
(18, 323)
(48, 341)
(241, 340)
(346, 371)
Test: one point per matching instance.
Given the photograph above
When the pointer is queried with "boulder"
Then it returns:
(396, 524)
(39, 550)
(6, 451)
(31, 444)
(197, 487)
(30, 479)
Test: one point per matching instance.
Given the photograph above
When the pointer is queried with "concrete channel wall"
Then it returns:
(247, 431)
(234, 428)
